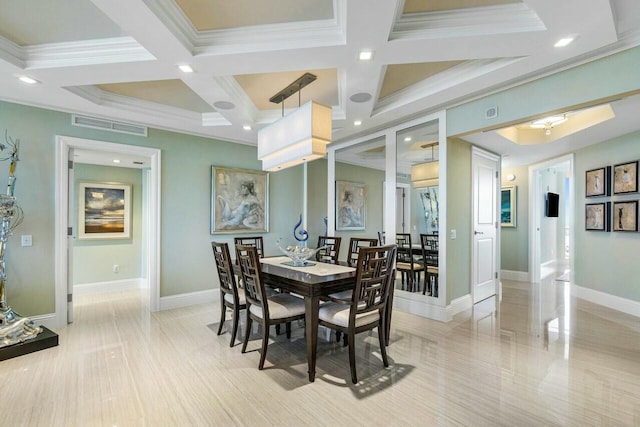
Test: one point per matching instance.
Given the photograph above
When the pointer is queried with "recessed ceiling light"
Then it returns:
(360, 97)
(27, 80)
(116, 161)
(563, 42)
(365, 55)
(357, 122)
(185, 68)
(246, 127)
(407, 139)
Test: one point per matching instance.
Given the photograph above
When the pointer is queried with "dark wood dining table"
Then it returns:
(312, 287)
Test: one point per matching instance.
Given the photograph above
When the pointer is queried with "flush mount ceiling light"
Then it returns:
(407, 139)
(357, 122)
(185, 68)
(548, 123)
(28, 80)
(246, 127)
(365, 55)
(565, 41)
(300, 136)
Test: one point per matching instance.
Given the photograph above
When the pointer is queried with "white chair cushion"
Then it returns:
(281, 306)
(338, 314)
(345, 295)
(242, 300)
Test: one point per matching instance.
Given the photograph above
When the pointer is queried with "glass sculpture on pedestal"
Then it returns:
(300, 253)
(13, 328)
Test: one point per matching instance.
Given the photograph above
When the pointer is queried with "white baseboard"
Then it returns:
(47, 320)
(459, 305)
(518, 276)
(191, 298)
(111, 286)
(607, 300)
(420, 308)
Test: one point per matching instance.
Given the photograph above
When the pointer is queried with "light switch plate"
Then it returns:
(453, 234)
(26, 240)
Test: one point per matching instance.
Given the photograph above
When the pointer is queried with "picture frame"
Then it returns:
(625, 215)
(350, 205)
(508, 206)
(597, 216)
(598, 182)
(104, 210)
(625, 178)
(239, 201)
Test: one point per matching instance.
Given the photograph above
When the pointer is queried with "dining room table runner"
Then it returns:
(319, 269)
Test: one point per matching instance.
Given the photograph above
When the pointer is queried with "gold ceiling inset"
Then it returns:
(417, 6)
(167, 92)
(260, 87)
(400, 76)
(208, 15)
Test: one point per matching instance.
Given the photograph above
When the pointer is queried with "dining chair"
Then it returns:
(429, 244)
(267, 310)
(406, 264)
(355, 243)
(331, 250)
(231, 296)
(255, 241)
(381, 238)
(366, 310)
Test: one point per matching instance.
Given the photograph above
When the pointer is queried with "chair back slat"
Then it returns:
(249, 261)
(373, 268)
(255, 241)
(355, 243)
(331, 250)
(225, 268)
(404, 254)
(429, 243)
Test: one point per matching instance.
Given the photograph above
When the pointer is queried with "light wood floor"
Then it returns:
(542, 359)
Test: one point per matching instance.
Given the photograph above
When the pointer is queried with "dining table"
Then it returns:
(312, 281)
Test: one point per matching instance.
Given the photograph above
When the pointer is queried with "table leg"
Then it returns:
(311, 305)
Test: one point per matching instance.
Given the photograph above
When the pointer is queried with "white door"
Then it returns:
(485, 225)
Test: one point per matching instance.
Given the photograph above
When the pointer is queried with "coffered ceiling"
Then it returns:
(118, 59)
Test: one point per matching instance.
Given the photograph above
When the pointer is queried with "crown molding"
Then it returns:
(480, 21)
(239, 97)
(12, 53)
(214, 119)
(86, 52)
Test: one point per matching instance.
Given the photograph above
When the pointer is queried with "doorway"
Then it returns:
(151, 241)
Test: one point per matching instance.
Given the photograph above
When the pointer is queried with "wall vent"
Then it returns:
(96, 123)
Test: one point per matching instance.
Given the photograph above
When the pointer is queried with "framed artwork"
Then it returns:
(625, 178)
(350, 206)
(625, 216)
(104, 210)
(597, 216)
(508, 206)
(239, 201)
(597, 182)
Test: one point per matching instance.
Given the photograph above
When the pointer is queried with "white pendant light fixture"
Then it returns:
(300, 136)
(548, 123)
(426, 174)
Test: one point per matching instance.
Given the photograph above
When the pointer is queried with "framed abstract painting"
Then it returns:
(104, 210)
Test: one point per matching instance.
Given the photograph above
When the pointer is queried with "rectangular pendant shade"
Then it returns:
(300, 136)
(425, 174)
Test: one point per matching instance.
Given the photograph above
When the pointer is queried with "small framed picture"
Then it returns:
(625, 178)
(350, 206)
(625, 216)
(104, 210)
(508, 205)
(597, 182)
(597, 217)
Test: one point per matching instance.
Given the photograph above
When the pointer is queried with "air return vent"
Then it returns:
(96, 123)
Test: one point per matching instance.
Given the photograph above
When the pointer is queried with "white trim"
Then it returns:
(459, 305)
(191, 298)
(420, 307)
(518, 276)
(607, 300)
(63, 144)
(109, 286)
(46, 320)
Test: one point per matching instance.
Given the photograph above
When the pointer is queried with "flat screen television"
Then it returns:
(551, 205)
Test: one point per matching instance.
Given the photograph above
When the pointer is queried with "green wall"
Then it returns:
(458, 218)
(514, 242)
(606, 262)
(186, 260)
(93, 260)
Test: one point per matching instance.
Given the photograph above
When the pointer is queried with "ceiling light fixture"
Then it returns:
(565, 41)
(357, 122)
(185, 68)
(548, 123)
(365, 55)
(246, 127)
(116, 161)
(426, 174)
(300, 136)
(28, 80)
(407, 139)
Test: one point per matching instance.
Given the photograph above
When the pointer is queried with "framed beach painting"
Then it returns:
(239, 201)
(597, 182)
(508, 206)
(104, 210)
(350, 206)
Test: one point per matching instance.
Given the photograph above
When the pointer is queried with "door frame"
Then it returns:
(535, 213)
(475, 152)
(63, 144)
